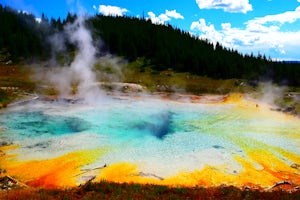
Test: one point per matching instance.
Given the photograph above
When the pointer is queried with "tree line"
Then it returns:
(169, 47)
(20, 36)
(163, 46)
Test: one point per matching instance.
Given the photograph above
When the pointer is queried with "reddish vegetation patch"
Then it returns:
(107, 190)
(191, 98)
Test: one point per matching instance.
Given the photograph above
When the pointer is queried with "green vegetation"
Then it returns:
(165, 47)
(162, 46)
(21, 37)
(184, 82)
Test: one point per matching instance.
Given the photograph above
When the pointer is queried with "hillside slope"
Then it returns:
(162, 46)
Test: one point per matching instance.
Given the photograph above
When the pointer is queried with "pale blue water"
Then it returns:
(151, 132)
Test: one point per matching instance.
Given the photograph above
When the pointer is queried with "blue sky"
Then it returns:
(270, 27)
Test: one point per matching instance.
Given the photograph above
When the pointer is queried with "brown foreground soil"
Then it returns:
(107, 190)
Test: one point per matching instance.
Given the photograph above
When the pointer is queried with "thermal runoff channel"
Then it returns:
(150, 140)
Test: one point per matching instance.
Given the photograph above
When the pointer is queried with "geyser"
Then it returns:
(80, 72)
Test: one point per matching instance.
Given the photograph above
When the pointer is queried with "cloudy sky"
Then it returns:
(270, 27)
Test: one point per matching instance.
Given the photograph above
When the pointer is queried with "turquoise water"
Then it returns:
(38, 123)
(161, 136)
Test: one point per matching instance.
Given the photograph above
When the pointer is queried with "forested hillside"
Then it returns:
(167, 47)
(22, 37)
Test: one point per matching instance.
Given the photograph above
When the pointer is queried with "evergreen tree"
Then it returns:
(22, 37)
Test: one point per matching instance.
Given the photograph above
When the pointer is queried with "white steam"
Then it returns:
(79, 74)
(270, 92)
(82, 66)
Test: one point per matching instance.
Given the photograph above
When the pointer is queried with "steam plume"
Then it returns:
(80, 71)
(82, 66)
(271, 92)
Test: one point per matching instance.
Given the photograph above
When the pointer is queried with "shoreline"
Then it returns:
(181, 98)
(136, 92)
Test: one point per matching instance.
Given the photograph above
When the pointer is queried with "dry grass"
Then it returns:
(170, 81)
(14, 80)
(16, 76)
(107, 190)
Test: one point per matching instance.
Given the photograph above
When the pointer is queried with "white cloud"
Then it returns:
(38, 20)
(262, 35)
(111, 10)
(208, 31)
(239, 6)
(162, 18)
(286, 17)
(174, 14)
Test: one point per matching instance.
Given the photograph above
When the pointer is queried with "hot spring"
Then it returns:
(150, 140)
